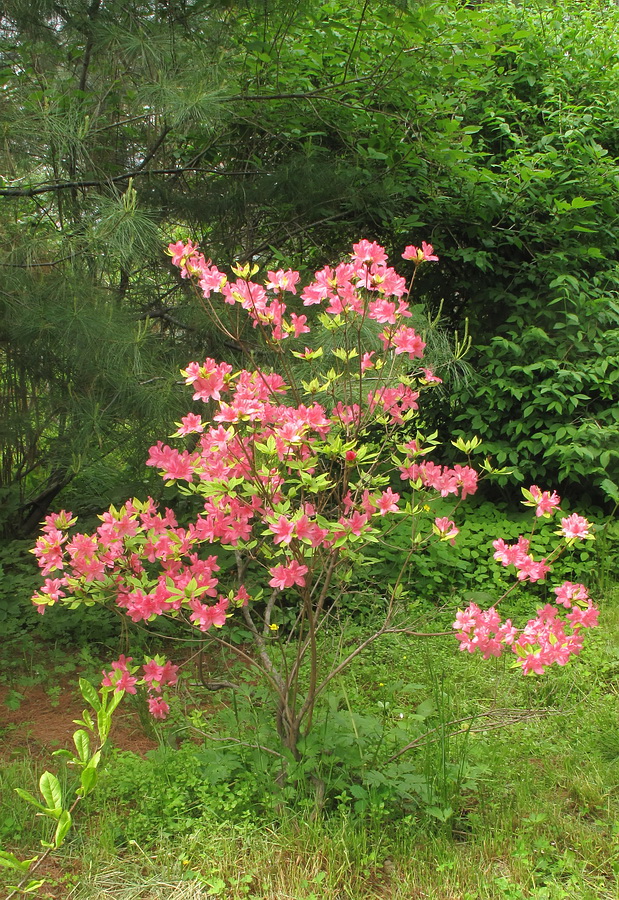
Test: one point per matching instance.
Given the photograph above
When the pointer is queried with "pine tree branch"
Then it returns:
(102, 182)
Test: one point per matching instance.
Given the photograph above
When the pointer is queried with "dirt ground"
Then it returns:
(39, 728)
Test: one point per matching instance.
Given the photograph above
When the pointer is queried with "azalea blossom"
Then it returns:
(425, 254)
(283, 530)
(446, 528)
(575, 527)
(545, 502)
(286, 576)
(568, 592)
(387, 502)
(158, 708)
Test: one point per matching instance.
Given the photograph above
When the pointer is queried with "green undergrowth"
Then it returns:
(521, 810)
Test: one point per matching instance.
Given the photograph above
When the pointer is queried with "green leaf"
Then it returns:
(89, 694)
(104, 723)
(65, 754)
(441, 814)
(426, 709)
(115, 700)
(611, 489)
(581, 203)
(81, 739)
(86, 721)
(33, 886)
(88, 780)
(9, 861)
(26, 795)
(357, 790)
(51, 791)
(63, 826)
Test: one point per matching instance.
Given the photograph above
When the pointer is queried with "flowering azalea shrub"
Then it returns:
(298, 468)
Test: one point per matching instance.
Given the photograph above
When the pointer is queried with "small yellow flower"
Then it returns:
(380, 684)
(273, 626)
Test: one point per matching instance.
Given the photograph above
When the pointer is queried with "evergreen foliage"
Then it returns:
(280, 132)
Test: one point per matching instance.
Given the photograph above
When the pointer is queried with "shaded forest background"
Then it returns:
(280, 133)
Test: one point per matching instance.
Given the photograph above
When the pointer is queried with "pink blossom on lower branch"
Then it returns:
(446, 529)
(387, 502)
(120, 677)
(158, 708)
(575, 528)
(543, 642)
(425, 254)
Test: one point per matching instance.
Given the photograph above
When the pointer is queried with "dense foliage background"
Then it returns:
(282, 133)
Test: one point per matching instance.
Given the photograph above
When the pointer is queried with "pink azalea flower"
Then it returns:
(568, 592)
(120, 679)
(286, 576)
(406, 340)
(387, 502)
(299, 324)
(283, 530)
(430, 377)
(158, 708)
(190, 424)
(544, 500)
(588, 617)
(366, 252)
(282, 280)
(425, 254)
(575, 527)
(206, 616)
(366, 361)
(446, 528)
(181, 251)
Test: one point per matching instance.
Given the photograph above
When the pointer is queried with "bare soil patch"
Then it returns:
(37, 727)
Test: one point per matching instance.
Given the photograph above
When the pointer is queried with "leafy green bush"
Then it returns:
(172, 792)
(18, 580)
(527, 208)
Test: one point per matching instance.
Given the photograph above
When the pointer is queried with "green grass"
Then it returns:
(535, 804)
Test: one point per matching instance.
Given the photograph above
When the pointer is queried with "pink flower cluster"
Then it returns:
(544, 502)
(48, 548)
(542, 642)
(365, 286)
(573, 528)
(442, 478)
(155, 677)
(518, 555)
